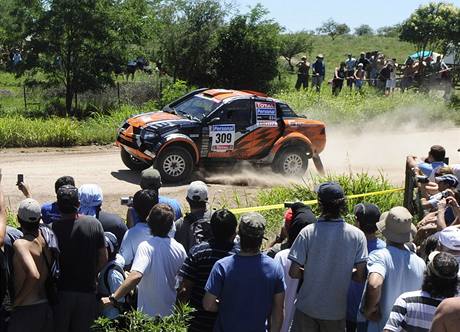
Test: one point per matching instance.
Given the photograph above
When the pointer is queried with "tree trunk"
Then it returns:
(68, 99)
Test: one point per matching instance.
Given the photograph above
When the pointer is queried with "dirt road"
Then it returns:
(371, 152)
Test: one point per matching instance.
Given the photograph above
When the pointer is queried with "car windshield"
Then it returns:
(196, 107)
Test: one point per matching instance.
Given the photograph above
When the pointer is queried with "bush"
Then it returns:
(173, 92)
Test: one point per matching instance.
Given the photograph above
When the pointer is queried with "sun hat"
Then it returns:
(29, 211)
(449, 237)
(396, 225)
(90, 199)
(252, 225)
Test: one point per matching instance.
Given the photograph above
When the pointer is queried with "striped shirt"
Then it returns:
(197, 268)
(412, 312)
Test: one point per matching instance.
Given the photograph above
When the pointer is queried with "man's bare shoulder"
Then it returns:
(449, 306)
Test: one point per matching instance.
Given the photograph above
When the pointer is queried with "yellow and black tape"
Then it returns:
(310, 202)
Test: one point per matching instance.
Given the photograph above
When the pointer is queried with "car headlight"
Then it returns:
(149, 136)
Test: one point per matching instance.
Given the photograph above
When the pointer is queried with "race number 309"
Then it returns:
(222, 138)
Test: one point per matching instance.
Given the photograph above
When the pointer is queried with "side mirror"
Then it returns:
(213, 120)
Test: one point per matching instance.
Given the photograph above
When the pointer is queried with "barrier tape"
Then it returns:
(310, 202)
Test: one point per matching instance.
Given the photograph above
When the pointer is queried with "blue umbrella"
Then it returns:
(423, 55)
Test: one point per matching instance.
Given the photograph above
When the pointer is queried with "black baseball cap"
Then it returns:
(329, 191)
(67, 199)
(367, 214)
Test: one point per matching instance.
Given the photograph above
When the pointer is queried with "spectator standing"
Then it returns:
(414, 311)
(360, 76)
(249, 285)
(391, 81)
(31, 259)
(83, 254)
(339, 76)
(366, 216)
(324, 254)
(50, 211)
(198, 265)
(303, 69)
(350, 64)
(155, 267)
(318, 72)
(292, 285)
(5, 264)
(143, 201)
(91, 199)
(194, 227)
(447, 316)
(363, 60)
(392, 270)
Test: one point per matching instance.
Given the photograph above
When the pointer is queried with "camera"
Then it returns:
(20, 179)
(422, 179)
(128, 201)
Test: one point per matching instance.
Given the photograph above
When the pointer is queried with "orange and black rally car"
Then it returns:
(211, 126)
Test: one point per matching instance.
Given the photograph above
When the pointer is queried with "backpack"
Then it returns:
(130, 303)
(6, 273)
(51, 282)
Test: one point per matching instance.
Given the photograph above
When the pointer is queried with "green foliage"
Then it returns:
(431, 26)
(333, 29)
(294, 43)
(389, 31)
(364, 30)
(352, 184)
(247, 51)
(173, 92)
(136, 321)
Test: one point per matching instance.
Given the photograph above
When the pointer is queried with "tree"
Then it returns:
(430, 26)
(74, 43)
(292, 44)
(247, 51)
(364, 30)
(389, 31)
(333, 29)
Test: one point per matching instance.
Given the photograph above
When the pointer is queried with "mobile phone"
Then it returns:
(20, 179)
(128, 201)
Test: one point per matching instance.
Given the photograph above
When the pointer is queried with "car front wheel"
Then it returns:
(132, 162)
(291, 162)
(175, 164)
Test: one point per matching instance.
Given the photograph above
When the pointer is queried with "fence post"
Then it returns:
(118, 95)
(76, 101)
(25, 98)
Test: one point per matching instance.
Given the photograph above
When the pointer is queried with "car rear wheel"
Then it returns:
(132, 162)
(291, 162)
(175, 164)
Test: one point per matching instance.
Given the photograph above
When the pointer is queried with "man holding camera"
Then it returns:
(435, 159)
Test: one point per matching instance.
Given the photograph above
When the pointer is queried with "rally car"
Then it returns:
(210, 126)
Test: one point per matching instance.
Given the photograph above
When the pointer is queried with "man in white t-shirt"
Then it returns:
(155, 267)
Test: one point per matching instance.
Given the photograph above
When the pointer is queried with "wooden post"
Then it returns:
(25, 98)
(118, 94)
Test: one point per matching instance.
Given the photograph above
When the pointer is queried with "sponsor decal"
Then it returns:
(266, 114)
(222, 137)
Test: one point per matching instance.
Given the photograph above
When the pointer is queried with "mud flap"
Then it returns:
(318, 164)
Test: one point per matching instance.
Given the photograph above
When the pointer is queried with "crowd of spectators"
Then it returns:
(380, 72)
(70, 261)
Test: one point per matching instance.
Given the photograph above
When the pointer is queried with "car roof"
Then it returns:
(223, 94)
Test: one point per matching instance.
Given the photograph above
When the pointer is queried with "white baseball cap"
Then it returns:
(197, 191)
(29, 211)
(449, 237)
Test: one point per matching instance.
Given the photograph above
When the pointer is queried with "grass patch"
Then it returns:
(359, 183)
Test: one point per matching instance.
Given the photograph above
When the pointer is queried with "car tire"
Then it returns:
(132, 162)
(175, 164)
(291, 162)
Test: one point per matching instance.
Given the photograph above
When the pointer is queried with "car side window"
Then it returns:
(283, 110)
(238, 112)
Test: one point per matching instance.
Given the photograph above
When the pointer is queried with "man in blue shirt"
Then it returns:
(249, 286)
(50, 211)
(318, 72)
(435, 159)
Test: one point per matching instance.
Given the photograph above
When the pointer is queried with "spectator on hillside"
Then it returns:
(83, 255)
(324, 254)
(363, 60)
(426, 166)
(50, 211)
(292, 285)
(31, 264)
(366, 216)
(111, 276)
(303, 68)
(409, 73)
(447, 316)
(318, 73)
(91, 199)
(298, 213)
(392, 270)
(151, 179)
(373, 68)
(350, 64)
(198, 265)
(360, 76)
(194, 227)
(414, 311)
(155, 267)
(246, 306)
(391, 82)
(339, 77)
(143, 201)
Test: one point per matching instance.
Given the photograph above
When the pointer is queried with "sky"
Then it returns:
(296, 15)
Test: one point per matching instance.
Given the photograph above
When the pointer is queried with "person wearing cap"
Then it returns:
(83, 255)
(303, 68)
(324, 255)
(31, 312)
(366, 215)
(449, 241)
(247, 288)
(194, 227)
(155, 268)
(359, 76)
(350, 65)
(143, 201)
(151, 179)
(197, 267)
(91, 199)
(50, 211)
(414, 311)
(318, 73)
(111, 276)
(392, 270)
